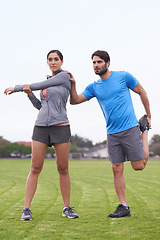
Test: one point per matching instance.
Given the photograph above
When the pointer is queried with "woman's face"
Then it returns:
(54, 62)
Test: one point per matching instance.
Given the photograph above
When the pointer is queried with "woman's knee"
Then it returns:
(62, 169)
(35, 170)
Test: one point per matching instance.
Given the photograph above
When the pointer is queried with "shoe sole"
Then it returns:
(26, 219)
(63, 215)
(128, 215)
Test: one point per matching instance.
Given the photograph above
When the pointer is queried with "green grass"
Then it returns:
(92, 194)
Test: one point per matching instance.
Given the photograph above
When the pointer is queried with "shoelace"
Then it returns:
(120, 206)
(71, 209)
(27, 211)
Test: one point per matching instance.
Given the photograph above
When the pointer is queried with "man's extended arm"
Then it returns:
(142, 93)
(74, 97)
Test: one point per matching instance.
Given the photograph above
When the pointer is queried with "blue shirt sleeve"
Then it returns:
(131, 81)
(89, 92)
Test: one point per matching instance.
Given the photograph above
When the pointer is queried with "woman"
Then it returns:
(51, 129)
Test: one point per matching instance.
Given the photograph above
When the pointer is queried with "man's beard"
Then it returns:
(102, 72)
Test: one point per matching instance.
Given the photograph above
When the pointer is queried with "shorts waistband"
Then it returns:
(61, 124)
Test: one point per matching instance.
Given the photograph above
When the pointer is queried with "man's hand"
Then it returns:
(149, 121)
(71, 75)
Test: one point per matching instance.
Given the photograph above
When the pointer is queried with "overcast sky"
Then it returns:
(128, 30)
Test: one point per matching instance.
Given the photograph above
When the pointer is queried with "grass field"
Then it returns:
(92, 194)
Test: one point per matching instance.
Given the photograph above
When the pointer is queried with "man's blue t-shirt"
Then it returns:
(115, 100)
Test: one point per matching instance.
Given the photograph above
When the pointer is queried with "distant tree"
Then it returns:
(154, 146)
(22, 149)
(6, 150)
(81, 142)
(155, 139)
(50, 150)
(155, 149)
(73, 148)
(3, 141)
(100, 143)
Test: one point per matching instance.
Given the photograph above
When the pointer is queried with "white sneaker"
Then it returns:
(69, 212)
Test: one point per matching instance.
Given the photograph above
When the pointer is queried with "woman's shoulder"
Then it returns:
(64, 78)
(64, 74)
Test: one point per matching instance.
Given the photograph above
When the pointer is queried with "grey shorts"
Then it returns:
(125, 146)
(52, 134)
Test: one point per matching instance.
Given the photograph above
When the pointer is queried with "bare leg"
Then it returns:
(62, 156)
(145, 146)
(38, 154)
(140, 165)
(119, 182)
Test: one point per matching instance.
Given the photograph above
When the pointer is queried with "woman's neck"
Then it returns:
(56, 72)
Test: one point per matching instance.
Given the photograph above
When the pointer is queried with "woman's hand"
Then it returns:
(9, 90)
(72, 78)
(26, 89)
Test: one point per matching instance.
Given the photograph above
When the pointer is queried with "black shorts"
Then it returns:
(52, 134)
(125, 146)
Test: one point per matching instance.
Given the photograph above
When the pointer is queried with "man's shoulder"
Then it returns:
(119, 73)
(98, 81)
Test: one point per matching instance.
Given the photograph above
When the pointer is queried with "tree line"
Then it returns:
(8, 149)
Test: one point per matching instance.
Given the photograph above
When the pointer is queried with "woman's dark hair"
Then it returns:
(102, 54)
(56, 51)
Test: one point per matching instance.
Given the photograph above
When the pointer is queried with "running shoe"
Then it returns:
(121, 211)
(26, 214)
(69, 212)
(143, 123)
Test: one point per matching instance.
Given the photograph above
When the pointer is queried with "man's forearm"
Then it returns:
(146, 104)
(73, 94)
(74, 97)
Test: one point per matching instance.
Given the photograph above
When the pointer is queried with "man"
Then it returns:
(125, 141)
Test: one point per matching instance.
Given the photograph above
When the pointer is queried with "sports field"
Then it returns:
(92, 195)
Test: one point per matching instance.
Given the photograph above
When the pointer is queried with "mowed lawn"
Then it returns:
(92, 195)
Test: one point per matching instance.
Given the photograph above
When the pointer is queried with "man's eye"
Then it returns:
(56, 59)
(49, 59)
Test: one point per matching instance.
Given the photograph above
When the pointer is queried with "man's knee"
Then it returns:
(117, 168)
(138, 168)
(138, 165)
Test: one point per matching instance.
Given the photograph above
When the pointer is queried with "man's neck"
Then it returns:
(106, 75)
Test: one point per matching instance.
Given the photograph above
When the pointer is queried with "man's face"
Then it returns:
(99, 66)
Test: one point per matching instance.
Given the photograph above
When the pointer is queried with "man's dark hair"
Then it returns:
(102, 54)
(56, 51)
